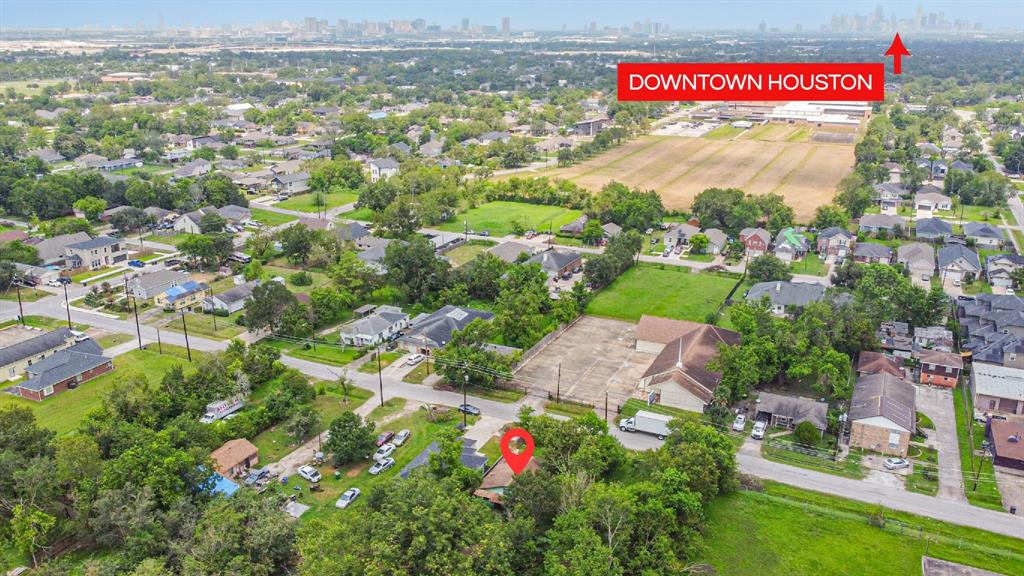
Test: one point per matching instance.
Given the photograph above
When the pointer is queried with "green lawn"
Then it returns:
(45, 322)
(268, 218)
(391, 407)
(468, 251)
(496, 394)
(786, 531)
(362, 214)
(780, 449)
(386, 359)
(659, 290)
(723, 132)
(975, 213)
(62, 412)
(23, 86)
(87, 276)
(979, 485)
(306, 202)
(924, 478)
(327, 353)
(566, 408)
(633, 405)
(202, 325)
(149, 257)
(111, 340)
(497, 218)
(286, 273)
(170, 240)
(27, 294)
(811, 265)
(274, 443)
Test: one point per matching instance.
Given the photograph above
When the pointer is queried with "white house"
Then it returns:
(383, 168)
(385, 323)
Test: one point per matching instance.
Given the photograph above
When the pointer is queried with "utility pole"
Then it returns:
(465, 382)
(558, 384)
(138, 329)
(21, 311)
(605, 406)
(67, 305)
(380, 379)
(213, 310)
(159, 344)
(185, 327)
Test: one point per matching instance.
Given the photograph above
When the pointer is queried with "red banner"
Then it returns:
(639, 81)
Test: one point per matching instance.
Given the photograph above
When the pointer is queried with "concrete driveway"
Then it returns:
(937, 404)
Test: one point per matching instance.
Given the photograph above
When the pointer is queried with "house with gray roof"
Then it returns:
(231, 300)
(883, 414)
(510, 252)
(96, 253)
(874, 223)
(889, 196)
(291, 183)
(383, 168)
(918, 258)
(790, 245)
(63, 370)
(47, 155)
(428, 332)
(557, 262)
(717, 240)
(680, 234)
(932, 228)
(997, 389)
(835, 241)
(384, 324)
(30, 349)
(469, 458)
(432, 149)
(999, 269)
(872, 253)
(350, 231)
(984, 234)
(785, 411)
(785, 296)
(192, 169)
(575, 228)
(147, 286)
(52, 251)
(932, 201)
(957, 262)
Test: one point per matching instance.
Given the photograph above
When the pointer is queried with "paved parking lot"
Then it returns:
(597, 355)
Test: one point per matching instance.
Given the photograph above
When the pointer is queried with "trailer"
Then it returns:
(649, 422)
(221, 409)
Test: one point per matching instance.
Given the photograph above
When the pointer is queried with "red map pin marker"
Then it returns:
(517, 462)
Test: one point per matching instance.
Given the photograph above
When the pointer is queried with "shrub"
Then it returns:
(807, 434)
(302, 278)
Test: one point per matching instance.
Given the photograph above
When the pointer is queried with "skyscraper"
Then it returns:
(505, 26)
(465, 24)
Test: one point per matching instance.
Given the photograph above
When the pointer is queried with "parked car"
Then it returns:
(255, 476)
(414, 360)
(739, 423)
(384, 437)
(136, 263)
(309, 473)
(896, 463)
(172, 261)
(469, 409)
(79, 336)
(759, 428)
(401, 437)
(56, 283)
(381, 466)
(348, 497)
(384, 452)
(485, 233)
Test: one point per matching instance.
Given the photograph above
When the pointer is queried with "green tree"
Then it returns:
(768, 268)
(414, 268)
(29, 529)
(211, 223)
(266, 306)
(302, 423)
(806, 434)
(297, 242)
(349, 439)
(830, 216)
(699, 244)
(592, 232)
(91, 206)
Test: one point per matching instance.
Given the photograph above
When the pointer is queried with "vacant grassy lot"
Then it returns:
(327, 353)
(979, 484)
(27, 294)
(274, 443)
(810, 264)
(669, 291)
(203, 325)
(29, 87)
(362, 214)
(805, 173)
(63, 412)
(786, 531)
(268, 218)
(467, 251)
(307, 202)
(170, 240)
(723, 132)
(497, 218)
(386, 359)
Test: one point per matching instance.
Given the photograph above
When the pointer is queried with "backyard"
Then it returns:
(274, 442)
(498, 218)
(466, 252)
(269, 218)
(658, 290)
(308, 202)
(203, 325)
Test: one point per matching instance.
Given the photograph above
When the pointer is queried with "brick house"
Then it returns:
(755, 240)
(939, 368)
(33, 347)
(882, 414)
(835, 241)
(64, 370)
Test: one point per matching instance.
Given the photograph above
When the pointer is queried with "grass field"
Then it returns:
(27, 294)
(22, 86)
(804, 172)
(723, 132)
(497, 217)
(63, 412)
(810, 264)
(268, 218)
(202, 325)
(361, 214)
(306, 203)
(328, 354)
(979, 485)
(170, 240)
(89, 275)
(669, 291)
(785, 531)
(386, 359)
(462, 254)
(274, 443)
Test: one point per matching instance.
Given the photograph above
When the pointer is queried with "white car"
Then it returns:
(1010, 292)
(381, 466)
(383, 452)
(414, 360)
(739, 423)
(895, 463)
(759, 427)
(79, 336)
(309, 473)
(348, 497)
(55, 283)
(401, 437)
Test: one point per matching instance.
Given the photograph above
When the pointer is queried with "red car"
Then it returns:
(384, 437)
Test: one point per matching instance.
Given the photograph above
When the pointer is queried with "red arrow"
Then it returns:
(897, 50)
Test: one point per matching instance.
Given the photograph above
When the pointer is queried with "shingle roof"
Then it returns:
(33, 346)
(240, 292)
(382, 319)
(983, 230)
(874, 362)
(885, 395)
(385, 163)
(175, 292)
(933, 227)
(882, 221)
(469, 457)
(510, 251)
(350, 230)
(53, 248)
(688, 356)
(232, 453)
(435, 330)
(97, 242)
(950, 254)
(552, 261)
(835, 231)
(872, 250)
(916, 253)
(64, 364)
(787, 293)
(159, 278)
(795, 407)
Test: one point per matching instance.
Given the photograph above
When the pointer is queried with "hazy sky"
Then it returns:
(525, 14)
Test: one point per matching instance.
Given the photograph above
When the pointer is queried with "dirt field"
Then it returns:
(597, 356)
(772, 158)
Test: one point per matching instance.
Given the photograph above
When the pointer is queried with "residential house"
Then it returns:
(784, 411)
(889, 196)
(894, 339)
(53, 251)
(933, 338)
(1006, 439)
(468, 457)
(933, 229)
(510, 252)
(958, 263)
(919, 260)
(118, 164)
(680, 234)
(653, 333)
(190, 222)
(96, 253)
(961, 166)
(34, 346)
(384, 324)
(48, 156)
(183, 296)
(611, 229)
(883, 414)
(755, 240)
(575, 228)
(895, 172)
(835, 241)
(350, 231)
(498, 478)
(717, 240)
(491, 137)
(202, 142)
(872, 253)
(790, 245)
(147, 286)
(936, 168)
(159, 214)
(372, 251)
(952, 140)
(12, 235)
(679, 376)
(89, 160)
(1000, 268)
(64, 369)
(874, 223)
(869, 362)
(997, 389)
(176, 155)
(427, 332)
(557, 262)
(984, 234)
(432, 149)
(785, 296)
(37, 273)
(235, 457)
(590, 127)
(932, 201)
(992, 327)
(383, 168)
(401, 148)
(231, 300)
(939, 368)
(291, 184)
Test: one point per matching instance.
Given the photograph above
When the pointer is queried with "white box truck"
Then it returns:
(221, 409)
(649, 422)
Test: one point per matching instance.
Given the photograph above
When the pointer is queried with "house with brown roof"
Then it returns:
(235, 457)
(875, 362)
(679, 376)
(498, 478)
(1007, 440)
(939, 368)
(882, 414)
